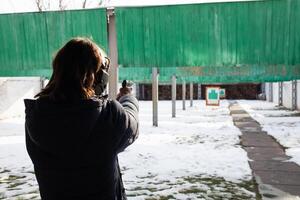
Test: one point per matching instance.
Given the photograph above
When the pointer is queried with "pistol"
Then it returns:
(127, 84)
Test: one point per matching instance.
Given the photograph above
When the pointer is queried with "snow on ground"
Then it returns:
(185, 157)
(282, 124)
(16, 172)
(193, 156)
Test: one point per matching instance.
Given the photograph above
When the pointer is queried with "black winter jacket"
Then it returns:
(74, 146)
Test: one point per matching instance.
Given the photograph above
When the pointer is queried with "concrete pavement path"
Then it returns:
(277, 178)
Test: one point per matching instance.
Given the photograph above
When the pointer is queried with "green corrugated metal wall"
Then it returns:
(227, 42)
(245, 74)
(28, 41)
(254, 36)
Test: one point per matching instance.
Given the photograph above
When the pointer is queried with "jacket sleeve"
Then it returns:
(125, 123)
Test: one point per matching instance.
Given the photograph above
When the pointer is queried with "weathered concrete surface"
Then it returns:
(13, 90)
(276, 177)
(274, 166)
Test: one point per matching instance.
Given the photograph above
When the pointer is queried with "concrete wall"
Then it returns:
(286, 93)
(267, 91)
(276, 93)
(12, 93)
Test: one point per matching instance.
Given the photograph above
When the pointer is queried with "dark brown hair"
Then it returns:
(74, 70)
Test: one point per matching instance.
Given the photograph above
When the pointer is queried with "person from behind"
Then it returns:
(74, 133)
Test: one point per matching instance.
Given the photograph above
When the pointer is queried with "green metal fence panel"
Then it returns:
(30, 40)
(223, 35)
(245, 74)
(226, 38)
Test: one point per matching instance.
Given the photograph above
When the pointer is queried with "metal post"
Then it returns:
(173, 96)
(294, 94)
(280, 85)
(183, 94)
(155, 96)
(191, 94)
(113, 54)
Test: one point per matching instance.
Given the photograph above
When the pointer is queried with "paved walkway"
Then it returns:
(276, 178)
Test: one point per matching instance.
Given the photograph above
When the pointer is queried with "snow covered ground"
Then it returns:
(16, 172)
(282, 124)
(193, 156)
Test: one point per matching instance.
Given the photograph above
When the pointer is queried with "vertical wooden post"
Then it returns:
(155, 96)
(183, 94)
(113, 54)
(173, 96)
(191, 94)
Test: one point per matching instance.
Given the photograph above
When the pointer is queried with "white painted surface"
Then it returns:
(287, 94)
(12, 93)
(276, 93)
(267, 90)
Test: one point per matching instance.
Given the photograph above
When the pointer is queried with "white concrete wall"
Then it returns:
(287, 94)
(12, 93)
(276, 93)
(267, 91)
